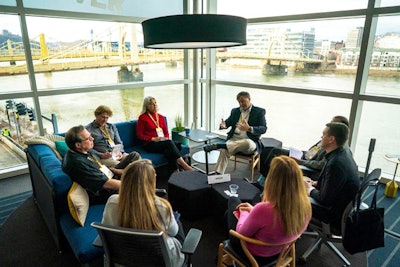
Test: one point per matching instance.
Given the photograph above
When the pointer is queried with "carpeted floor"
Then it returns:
(388, 256)
(11, 203)
(25, 240)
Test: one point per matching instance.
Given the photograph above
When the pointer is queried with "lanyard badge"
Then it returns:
(160, 132)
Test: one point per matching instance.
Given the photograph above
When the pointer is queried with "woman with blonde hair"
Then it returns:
(282, 214)
(152, 130)
(137, 206)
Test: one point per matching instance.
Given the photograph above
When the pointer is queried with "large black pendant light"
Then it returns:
(194, 31)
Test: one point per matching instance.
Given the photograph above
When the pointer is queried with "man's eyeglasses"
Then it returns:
(86, 139)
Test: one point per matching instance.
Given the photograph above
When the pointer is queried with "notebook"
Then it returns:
(115, 152)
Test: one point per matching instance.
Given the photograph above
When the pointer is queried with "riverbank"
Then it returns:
(384, 72)
(348, 70)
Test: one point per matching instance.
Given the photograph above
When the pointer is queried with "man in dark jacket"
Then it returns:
(314, 158)
(248, 124)
(339, 179)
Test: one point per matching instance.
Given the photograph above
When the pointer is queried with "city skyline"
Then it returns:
(114, 36)
(66, 29)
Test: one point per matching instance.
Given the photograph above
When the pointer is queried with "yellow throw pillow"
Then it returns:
(78, 203)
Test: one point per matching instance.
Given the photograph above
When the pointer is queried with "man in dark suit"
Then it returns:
(247, 124)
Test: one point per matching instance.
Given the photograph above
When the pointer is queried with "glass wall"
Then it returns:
(295, 119)
(384, 76)
(76, 62)
(17, 118)
(262, 8)
(303, 63)
(147, 9)
(68, 53)
(13, 72)
(16, 126)
(306, 66)
(384, 3)
(302, 54)
(8, 2)
(379, 121)
(126, 104)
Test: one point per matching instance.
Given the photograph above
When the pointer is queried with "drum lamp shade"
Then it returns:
(194, 31)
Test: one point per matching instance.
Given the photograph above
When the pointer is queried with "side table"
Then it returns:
(246, 193)
(269, 143)
(189, 194)
(201, 136)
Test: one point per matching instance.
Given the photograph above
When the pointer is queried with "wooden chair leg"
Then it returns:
(235, 163)
(293, 252)
(252, 169)
(220, 254)
(253, 161)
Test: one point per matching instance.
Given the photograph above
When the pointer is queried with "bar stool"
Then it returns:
(251, 159)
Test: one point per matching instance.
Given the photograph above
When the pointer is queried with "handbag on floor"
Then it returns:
(364, 229)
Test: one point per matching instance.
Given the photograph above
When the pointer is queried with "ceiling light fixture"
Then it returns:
(194, 31)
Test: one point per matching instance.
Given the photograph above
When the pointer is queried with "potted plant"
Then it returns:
(178, 129)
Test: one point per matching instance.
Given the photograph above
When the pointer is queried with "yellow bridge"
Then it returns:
(96, 54)
(87, 54)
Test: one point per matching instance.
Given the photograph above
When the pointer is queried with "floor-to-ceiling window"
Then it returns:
(304, 63)
(57, 62)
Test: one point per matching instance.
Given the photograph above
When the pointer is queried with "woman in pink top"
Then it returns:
(282, 215)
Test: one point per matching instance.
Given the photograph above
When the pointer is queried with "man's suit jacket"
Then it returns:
(256, 120)
(337, 185)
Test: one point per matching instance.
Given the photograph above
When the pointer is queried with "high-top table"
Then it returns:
(201, 136)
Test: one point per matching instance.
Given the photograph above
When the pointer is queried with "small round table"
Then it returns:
(201, 157)
(201, 136)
